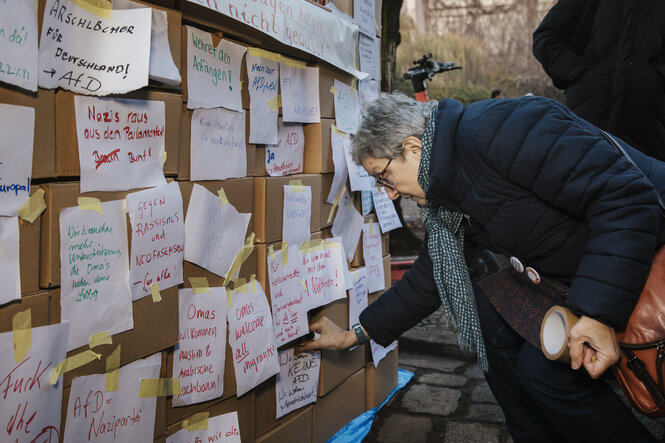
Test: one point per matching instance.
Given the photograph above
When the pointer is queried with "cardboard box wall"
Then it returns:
(29, 234)
(336, 409)
(318, 147)
(380, 381)
(327, 76)
(66, 140)
(38, 302)
(298, 428)
(312, 151)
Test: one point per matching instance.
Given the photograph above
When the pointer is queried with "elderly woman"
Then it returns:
(527, 178)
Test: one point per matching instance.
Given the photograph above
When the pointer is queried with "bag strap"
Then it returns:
(638, 368)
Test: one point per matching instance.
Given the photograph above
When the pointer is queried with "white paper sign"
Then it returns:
(297, 214)
(337, 140)
(214, 232)
(286, 157)
(368, 90)
(300, 93)
(18, 43)
(363, 15)
(30, 404)
(222, 428)
(94, 272)
(10, 278)
(357, 295)
(379, 352)
(251, 337)
(297, 381)
(369, 49)
(263, 85)
(367, 203)
(88, 54)
(288, 298)
(121, 143)
(158, 239)
(323, 270)
(99, 416)
(198, 358)
(347, 225)
(385, 210)
(358, 176)
(213, 72)
(373, 255)
(347, 107)
(17, 126)
(348, 278)
(217, 144)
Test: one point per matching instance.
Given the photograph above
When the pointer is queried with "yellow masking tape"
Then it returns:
(311, 246)
(335, 203)
(257, 52)
(229, 297)
(275, 102)
(241, 285)
(90, 204)
(252, 282)
(159, 387)
(21, 329)
(271, 252)
(100, 338)
(72, 362)
(285, 253)
(154, 290)
(101, 8)
(197, 422)
(164, 159)
(343, 134)
(199, 285)
(371, 227)
(222, 196)
(33, 208)
(293, 63)
(111, 381)
(240, 258)
(353, 87)
(296, 186)
(304, 285)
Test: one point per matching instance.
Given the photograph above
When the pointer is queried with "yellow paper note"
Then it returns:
(100, 338)
(72, 362)
(197, 422)
(90, 204)
(112, 366)
(156, 296)
(33, 208)
(159, 387)
(199, 285)
(21, 329)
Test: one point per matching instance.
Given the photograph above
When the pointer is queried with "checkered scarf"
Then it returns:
(446, 248)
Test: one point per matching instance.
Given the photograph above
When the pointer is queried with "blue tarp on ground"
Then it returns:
(360, 426)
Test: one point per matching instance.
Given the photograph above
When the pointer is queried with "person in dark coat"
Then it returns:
(528, 178)
(609, 58)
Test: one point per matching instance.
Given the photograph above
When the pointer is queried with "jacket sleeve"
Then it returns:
(568, 165)
(405, 304)
(560, 63)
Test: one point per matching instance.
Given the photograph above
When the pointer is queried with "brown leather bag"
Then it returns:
(640, 371)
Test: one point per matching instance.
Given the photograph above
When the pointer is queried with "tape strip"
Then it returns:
(73, 362)
(293, 62)
(199, 285)
(241, 285)
(333, 90)
(304, 285)
(165, 157)
(285, 253)
(90, 204)
(154, 290)
(335, 203)
(371, 227)
(296, 186)
(159, 387)
(101, 8)
(311, 246)
(252, 283)
(353, 87)
(271, 252)
(257, 52)
(222, 196)
(22, 332)
(111, 380)
(100, 338)
(229, 297)
(197, 422)
(343, 134)
(240, 258)
(275, 102)
(34, 207)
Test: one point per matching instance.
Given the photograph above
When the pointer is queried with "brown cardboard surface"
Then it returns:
(260, 162)
(346, 6)
(29, 252)
(269, 204)
(318, 147)
(238, 191)
(337, 366)
(66, 140)
(244, 406)
(338, 407)
(327, 76)
(297, 429)
(155, 330)
(326, 184)
(380, 381)
(43, 154)
(38, 302)
(185, 152)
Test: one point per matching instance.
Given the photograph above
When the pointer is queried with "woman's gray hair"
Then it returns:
(386, 122)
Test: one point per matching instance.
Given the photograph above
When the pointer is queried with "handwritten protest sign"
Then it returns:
(368, 90)
(366, 202)
(17, 126)
(357, 295)
(198, 359)
(369, 49)
(297, 214)
(10, 280)
(300, 93)
(95, 415)
(222, 428)
(18, 44)
(90, 54)
(297, 381)
(379, 352)
(94, 272)
(121, 143)
(217, 144)
(286, 157)
(214, 231)
(347, 107)
(373, 255)
(288, 298)
(321, 265)
(263, 83)
(363, 15)
(213, 72)
(347, 225)
(31, 405)
(337, 140)
(347, 279)
(385, 210)
(251, 337)
(358, 176)
(158, 239)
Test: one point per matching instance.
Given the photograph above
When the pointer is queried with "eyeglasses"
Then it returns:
(380, 180)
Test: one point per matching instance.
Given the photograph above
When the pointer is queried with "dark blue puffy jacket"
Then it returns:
(547, 188)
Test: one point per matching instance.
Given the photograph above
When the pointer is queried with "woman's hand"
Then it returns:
(332, 338)
(594, 345)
